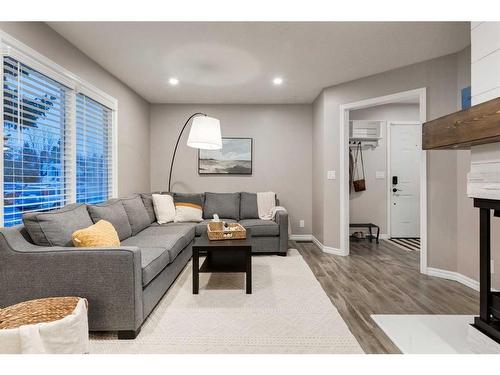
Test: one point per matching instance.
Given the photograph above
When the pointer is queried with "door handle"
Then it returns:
(394, 190)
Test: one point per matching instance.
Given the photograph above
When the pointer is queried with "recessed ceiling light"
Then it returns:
(173, 81)
(277, 81)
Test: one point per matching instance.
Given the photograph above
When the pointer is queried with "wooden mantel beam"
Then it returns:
(476, 125)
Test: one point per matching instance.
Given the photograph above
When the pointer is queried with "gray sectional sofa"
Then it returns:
(123, 284)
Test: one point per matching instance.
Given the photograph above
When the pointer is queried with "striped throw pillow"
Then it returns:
(188, 207)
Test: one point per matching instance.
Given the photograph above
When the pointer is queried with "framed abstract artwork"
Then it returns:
(235, 157)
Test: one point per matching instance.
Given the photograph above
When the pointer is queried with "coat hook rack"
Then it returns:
(369, 143)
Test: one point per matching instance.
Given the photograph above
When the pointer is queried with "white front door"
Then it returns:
(404, 184)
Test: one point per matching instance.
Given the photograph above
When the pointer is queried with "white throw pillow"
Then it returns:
(164, 208)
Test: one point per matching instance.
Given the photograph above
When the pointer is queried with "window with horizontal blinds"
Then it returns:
(36, 127)
(93, 150)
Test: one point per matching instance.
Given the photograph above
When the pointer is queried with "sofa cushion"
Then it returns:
(158, 251)
(190, 197)
(223, 204)
(174, 238)
(261, 228)
(147, 199)
(114, 212)
(202, 226)
(170, 228)
(54, 228)
(137, 214)
(248, 206)
(153, 261)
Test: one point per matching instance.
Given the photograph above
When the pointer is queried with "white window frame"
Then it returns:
(14, 48)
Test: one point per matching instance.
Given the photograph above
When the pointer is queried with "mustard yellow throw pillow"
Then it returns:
(101, 234)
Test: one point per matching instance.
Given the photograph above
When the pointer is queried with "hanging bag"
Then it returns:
(359, 183)
(351, 169)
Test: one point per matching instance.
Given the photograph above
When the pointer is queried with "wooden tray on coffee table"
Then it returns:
(217, 232)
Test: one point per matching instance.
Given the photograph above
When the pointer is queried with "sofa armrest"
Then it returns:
(281, 218)
(109, 278)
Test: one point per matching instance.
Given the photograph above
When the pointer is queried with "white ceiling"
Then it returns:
(234, 62)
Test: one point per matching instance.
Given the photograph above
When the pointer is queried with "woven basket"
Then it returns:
(37, 311)
(216, 232)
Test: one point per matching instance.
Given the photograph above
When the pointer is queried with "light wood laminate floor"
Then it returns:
(383, 279)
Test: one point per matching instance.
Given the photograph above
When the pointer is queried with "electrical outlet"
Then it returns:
(380, 175)
(330, 175)
(492, 266)
(302, 224)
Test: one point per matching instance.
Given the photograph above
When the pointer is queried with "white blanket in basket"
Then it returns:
(69, 335)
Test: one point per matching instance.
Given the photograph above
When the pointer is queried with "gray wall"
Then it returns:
(305, 152)
(439, 76)
(282, 139)
(370, 206)
(133, 111)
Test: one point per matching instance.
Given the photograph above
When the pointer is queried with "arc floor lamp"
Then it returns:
(204, 134)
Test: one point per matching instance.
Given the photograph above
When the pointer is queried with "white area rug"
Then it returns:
(436, 334)
(288, 312)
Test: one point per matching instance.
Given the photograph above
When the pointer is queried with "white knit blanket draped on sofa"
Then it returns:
(266, 204)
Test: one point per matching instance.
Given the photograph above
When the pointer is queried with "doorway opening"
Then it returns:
(383, 172)
(403, 186)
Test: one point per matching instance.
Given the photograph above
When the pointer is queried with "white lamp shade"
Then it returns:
(205, 133)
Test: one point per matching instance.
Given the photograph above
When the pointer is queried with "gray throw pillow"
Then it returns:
(195, 198)
(147, 200)
(54, 228)
(226, 205)
(114, 212)
(137, 214)
(248, 206)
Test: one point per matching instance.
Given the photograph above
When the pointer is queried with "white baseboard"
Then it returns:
(301, 237)
(436, 272)
(328, 249)
(455, 276)
(310, 237)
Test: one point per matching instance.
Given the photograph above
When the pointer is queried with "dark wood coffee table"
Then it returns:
(222, 256)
